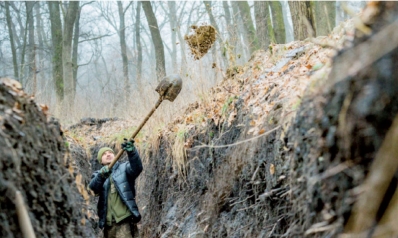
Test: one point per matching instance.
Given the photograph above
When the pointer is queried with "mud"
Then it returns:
(342, 128)
(276, 150)
(201, 40)
(302, 179)
(35, 162)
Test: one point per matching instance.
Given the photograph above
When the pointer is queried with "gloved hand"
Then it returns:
(105, 171)
(128, 146)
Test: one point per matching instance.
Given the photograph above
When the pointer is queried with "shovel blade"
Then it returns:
(170, 87)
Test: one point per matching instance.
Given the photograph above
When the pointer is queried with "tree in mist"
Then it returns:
(67, 36)
(232, 23)
(244, 11)
(261, 14)
(56, 38)
(325, 16)
(40, 42)
(302, 18)
(242, 39)
(138, 42)
(48, 44)
(156, 39)
(123, 50)
(75, 42)
(173, 27)
(208, 7)
(12, 41)
(31, 63)
(278, 24)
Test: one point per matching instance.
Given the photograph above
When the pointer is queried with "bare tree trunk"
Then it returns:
(241, 36)
(232, 34)
(261, 15)
(279, 25)
(123, 50)
(173, 26)
(56, 37)
(228, 18)
(69, 21)
(208, 7)
(325, 17)
(181, 39)
(244, 10)
(75, 51)
(23, 52)
(39, 30)
(138, 43)
(32, 48)
(156, 38)
(302, 18)
(12, 42)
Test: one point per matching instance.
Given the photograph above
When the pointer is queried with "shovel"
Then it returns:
(168, 89)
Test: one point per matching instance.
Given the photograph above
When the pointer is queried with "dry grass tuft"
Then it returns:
(179, 153)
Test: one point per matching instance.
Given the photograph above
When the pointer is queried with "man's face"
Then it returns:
(107, 157)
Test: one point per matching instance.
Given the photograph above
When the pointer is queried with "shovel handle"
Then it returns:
(119, 154)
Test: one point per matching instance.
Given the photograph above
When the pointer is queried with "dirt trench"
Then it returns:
(283, 148)
(34, 160)
(305, 175)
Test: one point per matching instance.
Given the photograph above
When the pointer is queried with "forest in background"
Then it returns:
(94, 59)
(299, 141)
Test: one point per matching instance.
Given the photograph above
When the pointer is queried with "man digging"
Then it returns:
(117, 210)
(115, 182)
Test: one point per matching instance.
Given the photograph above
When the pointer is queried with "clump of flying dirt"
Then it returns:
(201, 40)
(34, 161)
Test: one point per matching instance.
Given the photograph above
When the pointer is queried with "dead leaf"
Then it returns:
(272, 169)
(232, 117)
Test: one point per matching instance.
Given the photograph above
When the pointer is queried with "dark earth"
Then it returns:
(303, 180)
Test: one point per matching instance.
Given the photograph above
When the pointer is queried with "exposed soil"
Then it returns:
(283, 147)
(201, 40)
(34, 161)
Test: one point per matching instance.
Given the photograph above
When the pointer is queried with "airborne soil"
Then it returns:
(200, 40)
(280, 148)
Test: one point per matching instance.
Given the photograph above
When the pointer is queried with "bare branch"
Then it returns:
(96, 38)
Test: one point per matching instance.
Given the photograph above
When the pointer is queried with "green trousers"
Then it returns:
(123, 229)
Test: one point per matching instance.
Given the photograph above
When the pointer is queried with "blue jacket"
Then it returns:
(124, 175)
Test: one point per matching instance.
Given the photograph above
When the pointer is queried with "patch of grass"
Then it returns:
(211, 134)
(226, 105)
(296, 105)
(179, 152)
(118, 137)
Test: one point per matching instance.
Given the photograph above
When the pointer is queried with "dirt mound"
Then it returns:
(201, 40)
(34, 159)
(343, 127)
(280, 149)
(221, 168)
(283, 148)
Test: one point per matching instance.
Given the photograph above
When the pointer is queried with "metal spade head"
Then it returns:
(169, 87)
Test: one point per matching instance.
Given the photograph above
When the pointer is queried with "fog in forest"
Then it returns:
(104, 59)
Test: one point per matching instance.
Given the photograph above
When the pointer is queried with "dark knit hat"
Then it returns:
(102, 151)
